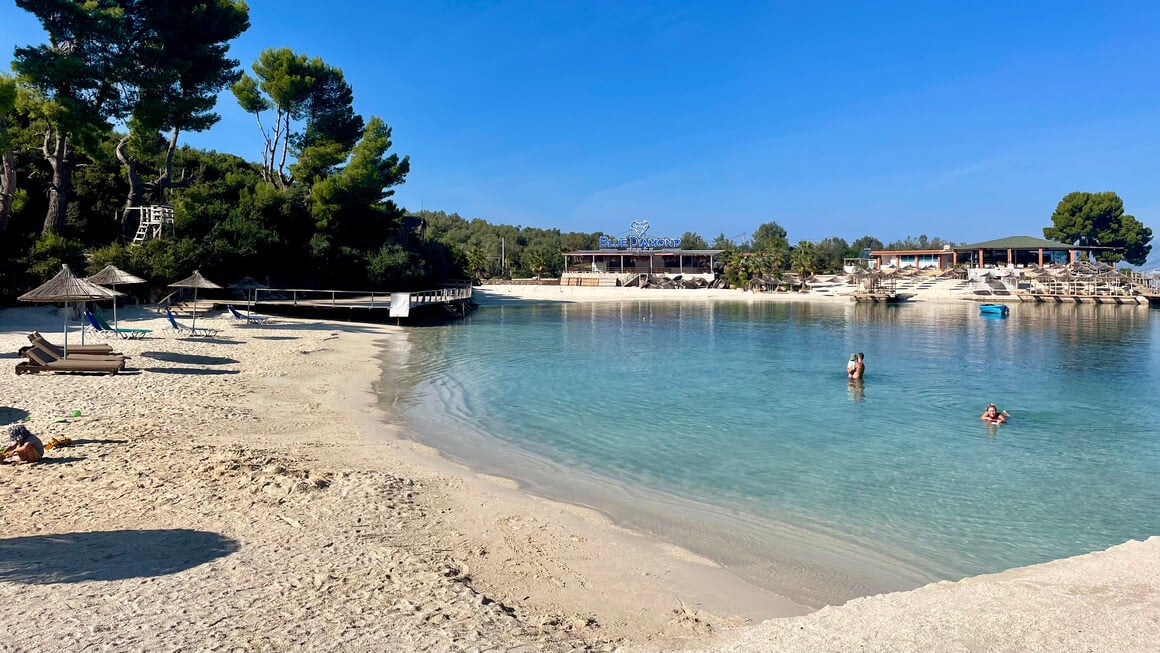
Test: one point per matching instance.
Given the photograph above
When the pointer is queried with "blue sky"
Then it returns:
(963, 120)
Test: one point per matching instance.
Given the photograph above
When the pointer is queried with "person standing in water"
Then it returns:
(859, 367)
(851, 365)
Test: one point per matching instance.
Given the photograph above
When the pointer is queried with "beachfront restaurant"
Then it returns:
(920, 259)
(607, 267)
(1017, 251)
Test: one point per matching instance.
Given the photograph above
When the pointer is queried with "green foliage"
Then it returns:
(830, 252)
(481, 245)
(922, 242)
(51, 251)
(769, 236)
(307, 91)
(1098, 219)
(721, 241)
(865, 242)
(691, 240)
(804, 259)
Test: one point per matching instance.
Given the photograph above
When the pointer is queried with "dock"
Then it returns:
(450, 301)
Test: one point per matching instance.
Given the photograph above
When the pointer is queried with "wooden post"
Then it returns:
(1009, 259)
(1040, 257)
(980, 257)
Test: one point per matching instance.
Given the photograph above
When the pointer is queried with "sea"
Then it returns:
(730, 428)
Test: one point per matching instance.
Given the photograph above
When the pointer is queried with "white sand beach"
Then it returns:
(243, 493)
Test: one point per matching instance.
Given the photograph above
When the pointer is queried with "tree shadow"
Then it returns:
(188, 359)
(277, 337)
(8, 414)
(188, 370)
(108, 555)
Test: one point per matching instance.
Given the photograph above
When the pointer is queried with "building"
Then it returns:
(1012, 251)
(607, 267)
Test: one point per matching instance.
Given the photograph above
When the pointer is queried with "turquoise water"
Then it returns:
(730, 428)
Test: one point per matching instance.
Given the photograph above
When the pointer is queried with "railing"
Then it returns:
(356, 298)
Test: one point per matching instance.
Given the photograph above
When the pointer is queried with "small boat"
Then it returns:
(993, 309)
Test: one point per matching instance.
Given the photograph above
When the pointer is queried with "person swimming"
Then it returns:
(994, 415)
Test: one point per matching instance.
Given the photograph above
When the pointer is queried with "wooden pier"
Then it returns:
(449, 301)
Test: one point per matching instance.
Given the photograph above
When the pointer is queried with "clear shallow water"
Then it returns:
(730, 428)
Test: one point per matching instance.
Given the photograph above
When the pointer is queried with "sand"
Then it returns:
(243, 493)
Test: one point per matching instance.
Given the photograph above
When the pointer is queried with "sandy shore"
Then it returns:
(242, 493)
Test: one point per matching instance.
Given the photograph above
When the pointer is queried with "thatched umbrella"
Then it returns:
(249, 284)
(66, 287)
(112, 275)
(194, 281)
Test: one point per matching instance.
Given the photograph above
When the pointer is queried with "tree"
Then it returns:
(922, 242)
(804, 259)
(691, 240)
(864, 243)
(721, 241)
(301, 89)
(768, 236)
(78, 74)
(7, 158)
(538, 260)
(478, 264)
(179, 64)
(1098, 219)
(830, 253)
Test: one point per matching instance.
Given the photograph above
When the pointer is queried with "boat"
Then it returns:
(993, 309)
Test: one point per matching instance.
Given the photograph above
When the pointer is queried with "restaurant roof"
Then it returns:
(1019, 242)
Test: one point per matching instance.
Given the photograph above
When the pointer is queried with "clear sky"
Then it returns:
(966, 120)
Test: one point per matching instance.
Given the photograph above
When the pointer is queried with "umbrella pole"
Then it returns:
(66, 329)
(194, 324)
(115, 324)
(82, 325)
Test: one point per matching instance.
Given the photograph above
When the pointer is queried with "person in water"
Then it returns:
(851, 365)
(859, 367)
(994, 415)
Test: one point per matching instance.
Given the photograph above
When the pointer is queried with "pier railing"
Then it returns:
(368, 299)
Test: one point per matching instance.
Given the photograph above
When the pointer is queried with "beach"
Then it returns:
(246, 493)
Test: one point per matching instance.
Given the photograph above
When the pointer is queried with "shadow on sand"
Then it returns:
(188, 370)
(187, 359)
(9, 414)
(107, 555)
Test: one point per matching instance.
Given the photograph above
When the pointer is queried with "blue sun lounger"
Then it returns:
(100, 327)
(248, 319)
(181, 329)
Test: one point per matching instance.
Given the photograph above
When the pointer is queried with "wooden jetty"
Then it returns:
(880, 297)
(447, 302)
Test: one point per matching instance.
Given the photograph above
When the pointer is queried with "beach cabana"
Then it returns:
(250, 286)
(66, 288)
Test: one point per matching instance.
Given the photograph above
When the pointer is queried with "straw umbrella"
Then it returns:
(66, 287)
(194, 281)
(112, 275)
(249, 284)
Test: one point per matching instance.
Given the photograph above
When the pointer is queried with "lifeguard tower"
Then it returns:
(152, 221)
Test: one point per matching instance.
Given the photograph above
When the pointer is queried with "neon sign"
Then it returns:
(638, 240)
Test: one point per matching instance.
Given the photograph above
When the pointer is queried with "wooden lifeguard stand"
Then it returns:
(152, 221)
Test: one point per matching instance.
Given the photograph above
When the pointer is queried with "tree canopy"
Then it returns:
(1098, 219)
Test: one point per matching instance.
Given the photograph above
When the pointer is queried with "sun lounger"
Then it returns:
(40, 360)
(100, 327)
(99, 348)
(39, 342)
(181, 329)
(247, 319)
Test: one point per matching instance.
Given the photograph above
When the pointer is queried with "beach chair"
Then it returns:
(245, 319)
(99, 348)
(85, 353)
(101, 327)
(42, 360)
(181, 329)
